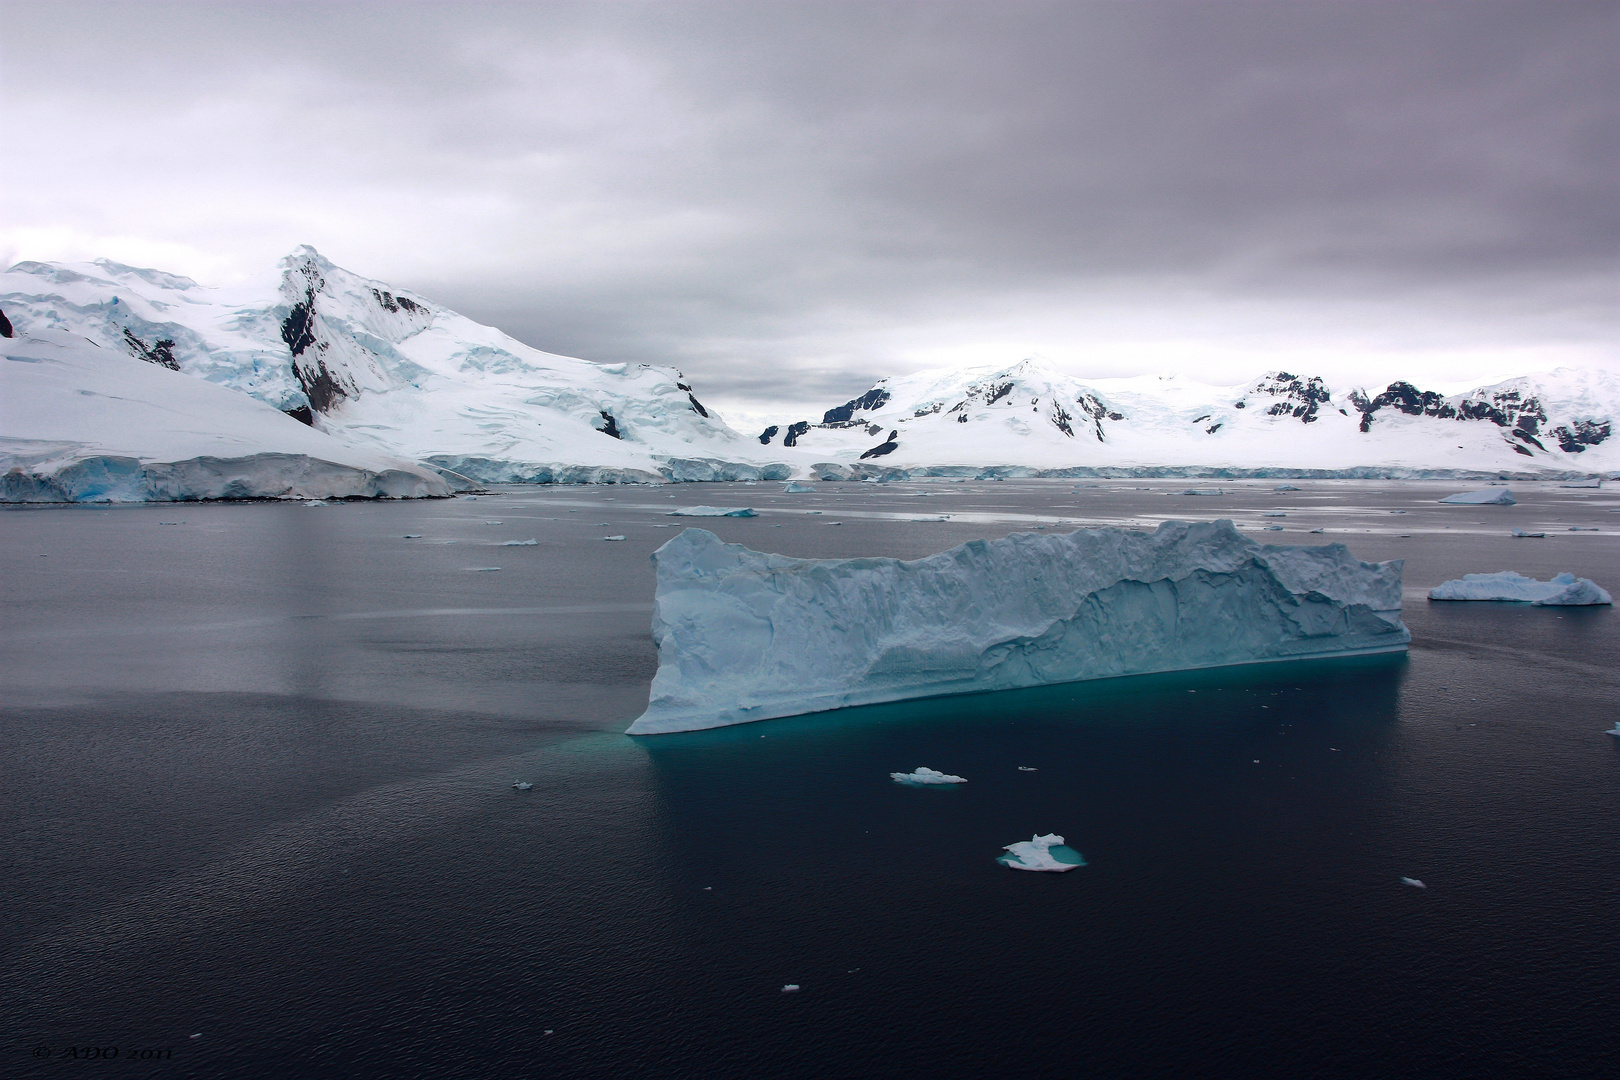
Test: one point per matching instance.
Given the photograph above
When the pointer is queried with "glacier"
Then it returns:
(1564, 590)
(1042, 853)
(745, 635)
(79, 423)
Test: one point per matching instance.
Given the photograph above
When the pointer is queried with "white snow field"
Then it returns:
(925, 775)
(743, 635)
(385, 369)
(1042, 853)
(1564, 590)
(80, 423)
(1031, 416)
(1486, 497)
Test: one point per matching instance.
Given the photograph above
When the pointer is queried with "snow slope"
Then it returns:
(378, 367)
(744, 635)
(1030, 415)
(82, 423)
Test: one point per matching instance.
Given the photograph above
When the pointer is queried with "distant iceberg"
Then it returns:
(793, 487)
(1565, 590)
(743, 635)
(713, 511)
(1487, 497)
(925, 775)
(1046, 853)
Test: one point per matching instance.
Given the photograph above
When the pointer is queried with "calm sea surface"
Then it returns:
(256, 767)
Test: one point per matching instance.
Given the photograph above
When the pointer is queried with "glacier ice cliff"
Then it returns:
(744, 635)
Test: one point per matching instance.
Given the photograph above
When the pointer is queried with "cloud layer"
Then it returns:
(789, 200)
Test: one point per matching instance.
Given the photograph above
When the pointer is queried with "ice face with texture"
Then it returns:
(925, 775)
(1041, 853)
(1564, 590)
(743, 635)
(1487, 497)
(714, 511)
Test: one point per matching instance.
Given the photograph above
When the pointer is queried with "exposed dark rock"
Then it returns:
(998, 392)
(1522, 450)
(697, 406)
(610, 426)
(302, 414)
(1574, 439)
(1212, 429)
(1298, 397)
(844, 414)
(5, 326)
(794, 431)
(883, 448)
(1060, 420)
(160, 352)
(768, 434)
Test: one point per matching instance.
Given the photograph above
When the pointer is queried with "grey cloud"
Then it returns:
(767, 193)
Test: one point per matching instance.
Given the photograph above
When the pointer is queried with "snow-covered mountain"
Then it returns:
(82, 423)
(1033, 416)
(377, 367)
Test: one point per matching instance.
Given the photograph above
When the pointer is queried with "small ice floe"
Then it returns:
(494, 523)
(1615, 731)
(1583, 528)
(1041, 853)
(925, 775)
(1318, 530)
(519, 543)
(482, 569)
(521, 785)
(1285, 487)
(1583, 484)
(834, 523)
(714, 511)
(316, 502)
(790, 988)
(1487, 497)
(411, 536)
(1028, 768)
(793, 487)
(1521, 534)
(1273, 528)
(1204, 491)
(1414, 882)
(1564, 590)
(613, 537)
(1276, 513)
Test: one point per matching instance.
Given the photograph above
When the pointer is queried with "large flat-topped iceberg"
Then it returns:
(1486, 497)
(743, 635)
(1564, 590)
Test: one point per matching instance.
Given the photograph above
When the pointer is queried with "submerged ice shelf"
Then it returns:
(744, 635)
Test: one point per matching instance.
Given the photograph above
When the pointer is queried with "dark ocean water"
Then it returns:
(257, 775)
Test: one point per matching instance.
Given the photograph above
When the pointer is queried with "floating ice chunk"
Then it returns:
(925, 775)
(613, 537)
(519, 543)
(1028, 768)
(482, 569)
(1275, 514)
(790, 988)
(1487, 497)
(1204, 491)
(1615, 731)
(1582, 484)
(412, 536)
(743, 635)
(1521, 534)
(795, 488)
(1564, 590)
(713, 511)
(1414, 882)
(316, 502)
(1042, 853)
(522, 785)
(1584, 528)
(1285, 487)
(1314, 531)
(1273, 528)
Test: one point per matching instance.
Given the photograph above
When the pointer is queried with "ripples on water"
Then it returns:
(258, 788)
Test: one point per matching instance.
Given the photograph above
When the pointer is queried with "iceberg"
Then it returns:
(1414, 882)
(1204, 491)
(744, 635)
(1487, 497)
(795, 488)
(1595, 482)
(1564, 590)
(1522, 534)
(1046, 853)
(1615, 731)
(713, 511)
(925, 775)
(520, 543)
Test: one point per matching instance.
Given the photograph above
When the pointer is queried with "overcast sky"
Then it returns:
(790, 200)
